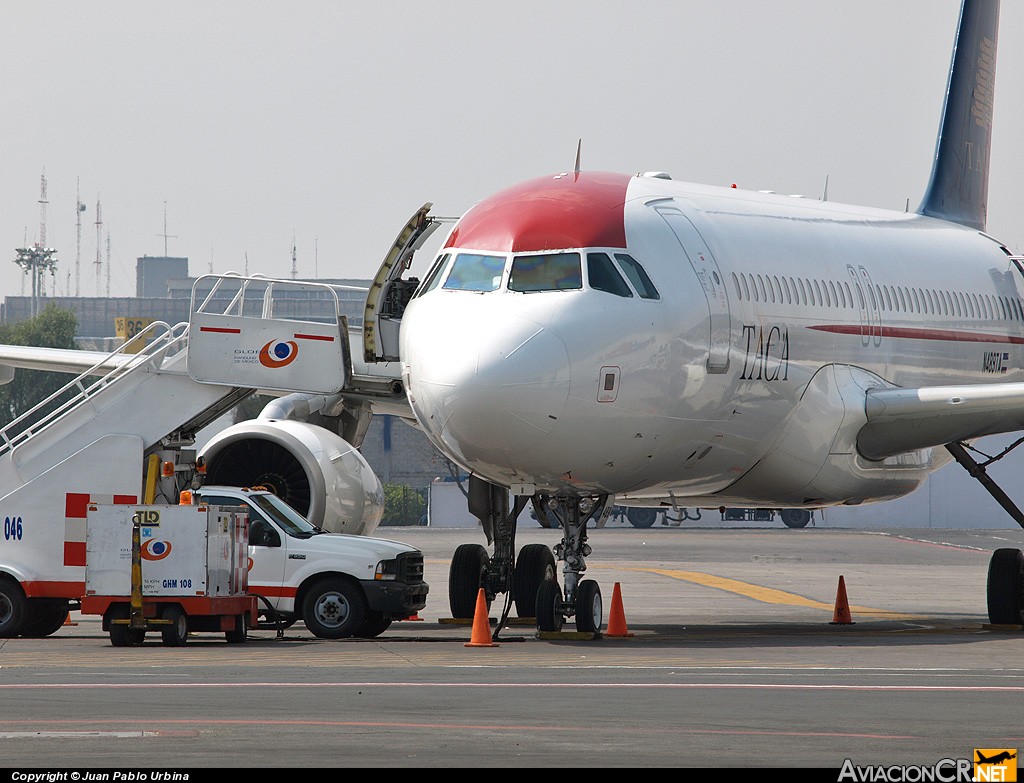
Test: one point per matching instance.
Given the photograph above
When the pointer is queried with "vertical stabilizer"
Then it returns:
(958, 190)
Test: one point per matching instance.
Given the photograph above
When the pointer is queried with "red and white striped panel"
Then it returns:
(76, 505)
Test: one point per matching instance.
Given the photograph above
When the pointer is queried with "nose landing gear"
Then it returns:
(582, 597)
(531, 581)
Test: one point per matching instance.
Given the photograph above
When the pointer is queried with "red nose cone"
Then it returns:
(549, 213)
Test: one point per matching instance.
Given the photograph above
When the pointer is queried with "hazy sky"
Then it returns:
(331, 122)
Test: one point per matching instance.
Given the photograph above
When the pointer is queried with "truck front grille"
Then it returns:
(410, 567)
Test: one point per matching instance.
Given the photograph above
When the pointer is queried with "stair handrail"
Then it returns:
(150, 347)
(267, 285)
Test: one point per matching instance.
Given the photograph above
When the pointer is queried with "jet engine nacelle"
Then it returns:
(314, 470)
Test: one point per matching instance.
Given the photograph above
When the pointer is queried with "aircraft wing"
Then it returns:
(902, 420)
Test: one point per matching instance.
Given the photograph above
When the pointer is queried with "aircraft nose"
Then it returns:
(486, 394)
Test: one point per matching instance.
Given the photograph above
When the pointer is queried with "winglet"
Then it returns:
(958, 190)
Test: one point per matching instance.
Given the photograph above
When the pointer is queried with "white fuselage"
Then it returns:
(743, 384)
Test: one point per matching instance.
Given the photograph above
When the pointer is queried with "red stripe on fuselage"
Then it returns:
(548, 213)
(947, 335)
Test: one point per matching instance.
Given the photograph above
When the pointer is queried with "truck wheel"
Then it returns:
(535, 563)
(334, 609)
(795, 517)
(239, 633)
(43, 619)
(175, 634)
(120, 634)
(12, 609)
(374, 625)
(464, 576)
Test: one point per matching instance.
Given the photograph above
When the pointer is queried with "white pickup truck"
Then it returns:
(338, 585)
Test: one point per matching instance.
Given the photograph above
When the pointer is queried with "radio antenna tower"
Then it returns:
(39, 258)
(99, 244)
(295, 269)
(43, 201)
(108, 265)
(165, 235)
(79, 209)
(42, 210)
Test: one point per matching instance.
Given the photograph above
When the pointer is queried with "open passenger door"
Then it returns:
(389, 294)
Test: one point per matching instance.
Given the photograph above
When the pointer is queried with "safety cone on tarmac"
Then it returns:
(617, 618)
(414, 617)
(481, 636)
(841, 616)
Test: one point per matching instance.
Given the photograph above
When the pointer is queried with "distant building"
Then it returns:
(154, 273)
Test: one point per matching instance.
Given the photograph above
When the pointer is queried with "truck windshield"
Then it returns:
(287, 518)
(284, 516)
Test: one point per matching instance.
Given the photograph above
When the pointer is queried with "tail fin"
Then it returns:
(958, 190)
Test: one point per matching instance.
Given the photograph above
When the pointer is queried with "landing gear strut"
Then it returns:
(1005, 589)
(578, 597)
(472, 569)
(531, 582)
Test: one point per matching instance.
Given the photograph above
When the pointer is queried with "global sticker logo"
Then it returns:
(155, 550)
(278, 353)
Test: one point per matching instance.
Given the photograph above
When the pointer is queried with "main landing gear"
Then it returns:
(1005, 590)
(531, 580)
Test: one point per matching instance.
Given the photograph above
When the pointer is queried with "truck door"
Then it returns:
(268, 558)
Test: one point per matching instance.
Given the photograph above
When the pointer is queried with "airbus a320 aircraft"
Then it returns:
(647, 342)
(663, 343)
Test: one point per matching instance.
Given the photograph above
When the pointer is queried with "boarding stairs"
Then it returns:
(168, 382)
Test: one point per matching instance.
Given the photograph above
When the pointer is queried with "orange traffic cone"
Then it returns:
(481, 624)
(617, 618)
(841, 616)
(414, 616)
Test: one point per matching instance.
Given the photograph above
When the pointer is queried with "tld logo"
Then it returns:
(995, 764)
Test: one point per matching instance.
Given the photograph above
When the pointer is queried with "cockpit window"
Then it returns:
(603, 276)
(547, 272)
(433, 276)
(637, 276)
(472, 272)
